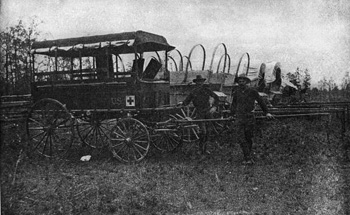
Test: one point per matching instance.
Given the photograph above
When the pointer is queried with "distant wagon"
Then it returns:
(270, 82)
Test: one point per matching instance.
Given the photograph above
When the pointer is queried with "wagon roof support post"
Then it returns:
(71, 67)
(136, 72)
(56, 66)
(80, 65)
(116, 63)
(165, 61)
(33, 71)
(107, 56)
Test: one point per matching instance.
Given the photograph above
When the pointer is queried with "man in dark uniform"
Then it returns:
(200, 98)
(243, 105)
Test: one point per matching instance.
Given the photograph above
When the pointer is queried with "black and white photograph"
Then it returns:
(175, 107)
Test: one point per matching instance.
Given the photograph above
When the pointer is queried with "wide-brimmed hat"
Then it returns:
(243, 76)
(199, 78)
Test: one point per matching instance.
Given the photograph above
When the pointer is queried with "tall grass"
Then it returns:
(299, 170)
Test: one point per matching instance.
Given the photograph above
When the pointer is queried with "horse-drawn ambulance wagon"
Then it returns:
(112, 90)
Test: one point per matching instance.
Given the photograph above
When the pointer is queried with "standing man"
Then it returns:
(243, 105)
(200, 98)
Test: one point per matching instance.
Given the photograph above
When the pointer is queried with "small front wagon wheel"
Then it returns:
(50, 128)
(129, 140)
(167, 138)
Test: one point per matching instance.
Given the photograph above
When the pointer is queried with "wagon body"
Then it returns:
(102, 86)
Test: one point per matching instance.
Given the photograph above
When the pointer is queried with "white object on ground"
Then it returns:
(85, 158)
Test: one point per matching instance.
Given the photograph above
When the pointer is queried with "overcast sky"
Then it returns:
(312, 34)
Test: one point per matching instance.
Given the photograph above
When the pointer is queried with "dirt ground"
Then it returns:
(301, 167)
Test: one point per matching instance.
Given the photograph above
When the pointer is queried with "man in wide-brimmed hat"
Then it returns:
(200, 98)
(243, 106)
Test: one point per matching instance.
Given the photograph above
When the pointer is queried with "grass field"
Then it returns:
(300, 168)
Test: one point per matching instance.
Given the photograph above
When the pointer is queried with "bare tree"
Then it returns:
(16, 42)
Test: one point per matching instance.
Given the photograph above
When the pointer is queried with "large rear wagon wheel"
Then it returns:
(50, 128)
(129, 140)
(95, 131)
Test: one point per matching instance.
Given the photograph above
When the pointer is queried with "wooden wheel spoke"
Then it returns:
(137, 151)
(181, 117)
(120, 148)
(194, 132)
(172, 116)
(102, 133)
(50, 145)
(140, 146)
(40, 141)
(172, 139)
(121, 131)
(35, 128)
(183, 112)
(131, 154)
(35, 121)
(141, 136)
(168, 142)
(43, 132)
(87, 134)
(84, 129)
(116, 145)
(45, 144)
(102, 126)
(193, 113)
(122, 135)
(124, 126)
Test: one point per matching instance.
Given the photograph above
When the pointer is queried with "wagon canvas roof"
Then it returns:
(119, 43)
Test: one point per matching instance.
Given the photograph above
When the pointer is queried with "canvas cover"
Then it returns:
(270, 71)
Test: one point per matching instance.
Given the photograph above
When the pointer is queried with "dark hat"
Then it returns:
(243, 76)
(199, 78)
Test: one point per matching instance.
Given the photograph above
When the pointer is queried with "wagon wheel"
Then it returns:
(94, 131)
(129, 140)
(49, 128)
(221, 133)
(190, 130)
(166, 138)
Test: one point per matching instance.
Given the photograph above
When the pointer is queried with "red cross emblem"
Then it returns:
(130, 101)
